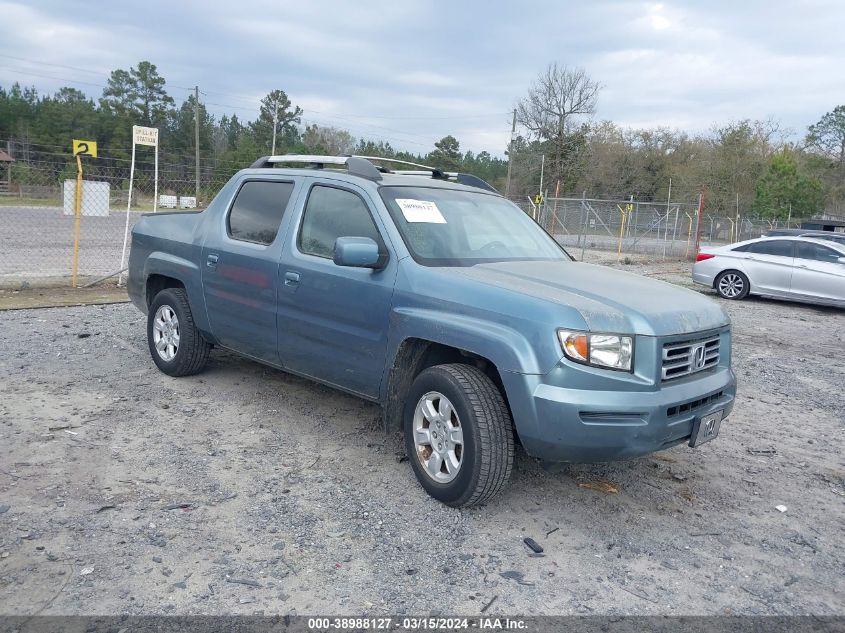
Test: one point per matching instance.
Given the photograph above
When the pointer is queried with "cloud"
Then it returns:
(413, 72)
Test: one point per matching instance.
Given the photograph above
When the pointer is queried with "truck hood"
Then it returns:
(609, 300)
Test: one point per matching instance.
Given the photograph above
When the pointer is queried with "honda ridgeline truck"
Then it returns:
(429, 293)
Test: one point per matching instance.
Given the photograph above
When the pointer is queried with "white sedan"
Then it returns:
(795, 268)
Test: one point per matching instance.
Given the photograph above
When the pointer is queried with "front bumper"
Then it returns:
(584, 426)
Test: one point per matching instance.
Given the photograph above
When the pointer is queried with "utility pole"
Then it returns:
(275, 124)
(510, 155)
(197, 139)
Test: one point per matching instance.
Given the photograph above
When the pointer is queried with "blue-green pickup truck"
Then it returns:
(431, 294)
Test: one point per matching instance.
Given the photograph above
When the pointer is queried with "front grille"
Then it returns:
(688, 357)
(692, 405)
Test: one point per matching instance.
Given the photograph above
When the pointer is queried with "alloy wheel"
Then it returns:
(439, 437)
(166, 333)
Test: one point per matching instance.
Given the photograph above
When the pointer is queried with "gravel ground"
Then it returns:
(247, 490)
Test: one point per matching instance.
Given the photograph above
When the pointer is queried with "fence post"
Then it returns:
(586, 217)
(77, 212)
(621, 233)
(698, 223)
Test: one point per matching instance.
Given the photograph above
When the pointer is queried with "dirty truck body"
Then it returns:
(360, 289)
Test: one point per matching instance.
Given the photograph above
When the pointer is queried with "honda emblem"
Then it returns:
(697, 357)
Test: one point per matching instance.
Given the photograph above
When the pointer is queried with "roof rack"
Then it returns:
(439, 174)
(354, 165)
(363, 166)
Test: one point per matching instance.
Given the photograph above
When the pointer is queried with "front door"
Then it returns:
(240, 268)
(333, 320)
(818, 275)
(769, 266)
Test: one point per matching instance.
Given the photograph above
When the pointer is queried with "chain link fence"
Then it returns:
(43, 243)
(635, 227)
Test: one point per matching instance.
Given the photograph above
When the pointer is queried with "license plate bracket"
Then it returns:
(706, 428)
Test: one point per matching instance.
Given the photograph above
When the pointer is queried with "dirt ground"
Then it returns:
(247, 490)
(50, 297)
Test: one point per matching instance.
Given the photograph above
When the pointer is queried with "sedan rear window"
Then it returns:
(781, 248)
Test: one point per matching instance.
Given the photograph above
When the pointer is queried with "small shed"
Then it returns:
(5, 171)
(824, 225)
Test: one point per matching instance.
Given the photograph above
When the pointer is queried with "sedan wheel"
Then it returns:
(732, 285)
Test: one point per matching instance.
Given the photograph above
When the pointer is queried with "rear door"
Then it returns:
(334, 320)
(768, 265)
(818, 275)
(240, 267)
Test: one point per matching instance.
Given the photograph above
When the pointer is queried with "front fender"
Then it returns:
(505, 347)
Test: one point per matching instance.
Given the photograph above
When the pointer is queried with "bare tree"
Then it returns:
(559, 94)
(558, 97)
(328, 140)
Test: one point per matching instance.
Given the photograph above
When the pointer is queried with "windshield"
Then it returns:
(447, 227)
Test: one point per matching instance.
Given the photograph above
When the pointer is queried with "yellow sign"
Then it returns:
(84, 148)
(538, 199)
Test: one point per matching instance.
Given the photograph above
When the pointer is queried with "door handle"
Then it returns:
(291, 278)
(800, 265)
(211, 261)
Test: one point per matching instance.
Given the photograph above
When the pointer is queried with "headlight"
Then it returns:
(612, 351)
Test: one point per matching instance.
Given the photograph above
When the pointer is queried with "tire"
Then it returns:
(732, 285)
(187, 352)
(484, 455)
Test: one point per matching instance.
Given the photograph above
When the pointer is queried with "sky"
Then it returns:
(411, 72)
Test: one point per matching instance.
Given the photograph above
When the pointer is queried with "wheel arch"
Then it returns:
(164, 270)
(157, 282)
(417, 354)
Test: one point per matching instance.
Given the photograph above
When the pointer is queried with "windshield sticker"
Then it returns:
(420, 211)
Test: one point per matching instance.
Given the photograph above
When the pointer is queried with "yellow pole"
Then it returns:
(621, 233)
(76, 223)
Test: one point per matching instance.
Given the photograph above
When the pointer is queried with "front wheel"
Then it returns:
(176, 345)
(458, 434)
(732, 284)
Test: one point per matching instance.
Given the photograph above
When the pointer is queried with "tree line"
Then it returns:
(748, 165)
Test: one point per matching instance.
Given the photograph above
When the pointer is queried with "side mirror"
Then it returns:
(841, 260)
(358, 252)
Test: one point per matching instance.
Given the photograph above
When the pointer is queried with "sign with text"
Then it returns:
(84, 148)
(167, 202)
(144, 135)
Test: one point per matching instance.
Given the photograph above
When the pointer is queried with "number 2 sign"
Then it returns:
(84, 148)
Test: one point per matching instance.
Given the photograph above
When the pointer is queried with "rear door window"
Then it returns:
(779, 248)
(257, 211)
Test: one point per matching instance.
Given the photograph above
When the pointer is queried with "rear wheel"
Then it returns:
(177, 347)
(732, 284)
(458, 434)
